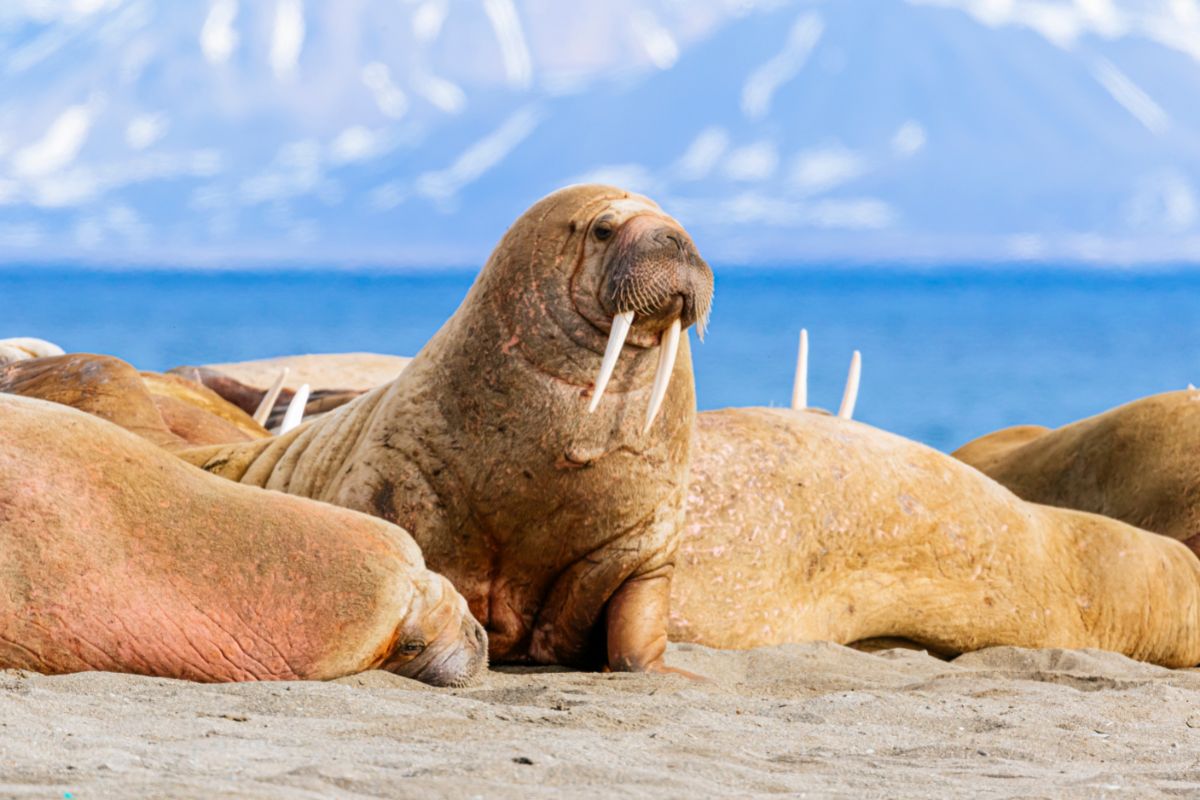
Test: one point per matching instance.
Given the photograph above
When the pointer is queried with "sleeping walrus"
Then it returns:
(1139, 463)
(803, 526)
(167, 410)
(552, 504)
(114, 555)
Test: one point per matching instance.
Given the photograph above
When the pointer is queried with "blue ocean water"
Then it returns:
(947, 354)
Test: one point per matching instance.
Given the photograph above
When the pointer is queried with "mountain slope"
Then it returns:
(779, 132)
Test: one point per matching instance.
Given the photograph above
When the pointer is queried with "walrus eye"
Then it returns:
(602, 231)
(413, 648)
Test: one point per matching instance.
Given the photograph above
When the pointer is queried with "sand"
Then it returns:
(814, 720)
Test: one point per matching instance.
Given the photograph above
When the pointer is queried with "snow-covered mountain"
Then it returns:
(391, 132)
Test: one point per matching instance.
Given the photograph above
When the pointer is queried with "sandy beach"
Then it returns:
(814, 720)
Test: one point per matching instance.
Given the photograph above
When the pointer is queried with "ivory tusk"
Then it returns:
(667, 350)
(263, 412)
(612, 351)
(800, 385)
(850, 395)
(295, 410)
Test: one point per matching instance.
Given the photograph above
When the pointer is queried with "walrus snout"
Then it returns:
(439, 642)
(655, 271)
(459, 659)
(654, 278)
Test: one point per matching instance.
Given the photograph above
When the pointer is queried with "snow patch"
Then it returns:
(656, 41)
(864, 213)
(58, 147)
(632, 177)
(816, 171)
(754, 162)
(703, 154)
(357, 143)
(1166, 202)
(427, 20)
(909, 139)
(1131, 96)
(479, 157)
(517, 63)
(761, 86)
(389, 98)
(1027, 246)
(287, 37)
(443, 94)
(144, 130)
(218, 39)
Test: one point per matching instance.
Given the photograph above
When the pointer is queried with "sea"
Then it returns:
(948, 353)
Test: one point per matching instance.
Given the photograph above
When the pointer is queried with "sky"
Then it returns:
(411, 133)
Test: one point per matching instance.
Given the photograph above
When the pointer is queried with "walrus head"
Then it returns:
(647, 278)
(614, 272)
(439, 642)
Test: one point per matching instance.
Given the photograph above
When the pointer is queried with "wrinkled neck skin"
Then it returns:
(484, 451)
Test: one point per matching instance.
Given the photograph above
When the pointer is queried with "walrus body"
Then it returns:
(1139, 463)
(22, 348)
(559, 526)
(803, 526)
(165, 409)
(114, 555)
(335, 379)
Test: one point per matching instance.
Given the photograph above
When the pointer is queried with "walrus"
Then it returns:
(115, 555)
(165, 409)
(335, 378)
(23, 347)
(532, 447)
(1139, 463)
(803, 526)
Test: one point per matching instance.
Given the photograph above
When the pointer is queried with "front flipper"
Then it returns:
(636, 624)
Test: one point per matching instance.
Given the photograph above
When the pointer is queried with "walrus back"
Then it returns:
(116, 556)
(1139, 463)
(803, 527)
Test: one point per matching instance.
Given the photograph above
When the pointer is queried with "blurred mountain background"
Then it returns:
(392, 133)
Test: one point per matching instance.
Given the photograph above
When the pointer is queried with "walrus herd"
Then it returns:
(544, 453)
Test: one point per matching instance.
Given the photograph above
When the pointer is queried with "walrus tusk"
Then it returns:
(850, 395)
(295, 410)
(621, 324)
(263, 412)
(800, 385)
(667, 351)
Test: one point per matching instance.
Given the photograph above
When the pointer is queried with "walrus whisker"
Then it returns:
(662, 376)
(263, 412)
(800, 384)
(295, 410)
(621, 324)
(850, 395)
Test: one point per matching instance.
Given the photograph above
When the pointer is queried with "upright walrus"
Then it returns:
(115, 555)
(1139, 463)
(559, 526)
(802, 526)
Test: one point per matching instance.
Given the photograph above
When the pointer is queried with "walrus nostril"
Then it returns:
(680, 245)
